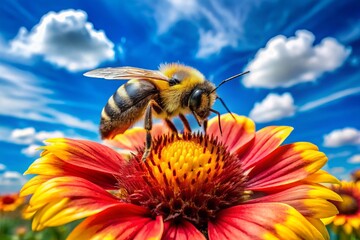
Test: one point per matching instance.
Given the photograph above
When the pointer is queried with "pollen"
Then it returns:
(187, 163)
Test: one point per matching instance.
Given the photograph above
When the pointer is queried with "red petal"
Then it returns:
(266, 141)
(235, 132)
(126, 221)
(181, 231)
(89, 160)
(288, 164)
(87, 154)
(261, 221)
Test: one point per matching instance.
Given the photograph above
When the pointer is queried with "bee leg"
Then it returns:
(205, 125)
(218, 114)
(148, 127)
(187, 127)
(171, 125)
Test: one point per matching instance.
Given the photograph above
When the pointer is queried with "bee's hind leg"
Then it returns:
(148, 127)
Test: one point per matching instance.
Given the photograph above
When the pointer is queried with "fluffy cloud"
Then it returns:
(2, 167)
(65, 39)
(23, 136)
(11, 181)
(342, 137)
(288, 61)
(354, 159)
(273, 107)
(31, 150)
(29, 136)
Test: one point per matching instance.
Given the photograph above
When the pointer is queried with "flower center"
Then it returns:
(185, 163)
(189, 177)
(348, 206)
(8, 200)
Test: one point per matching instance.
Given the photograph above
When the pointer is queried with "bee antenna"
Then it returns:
(226, 107)
(229, 79)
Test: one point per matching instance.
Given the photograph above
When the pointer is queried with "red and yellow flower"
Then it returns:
(347, 223)
(10, 202)
(240, 184)
(355, 175)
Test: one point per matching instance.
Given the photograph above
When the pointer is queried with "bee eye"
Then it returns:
(195, 99)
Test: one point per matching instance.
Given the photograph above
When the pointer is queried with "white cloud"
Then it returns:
(31, 150)
(212, 42)
(342, 137)
(23, 97)
(65, 39)
(43, 135)
(29, 135)
(11, 181)
(175, 11)
(354, 159)
(330, 98)
(337, 170)
(339, 154)
(23, 136)
(273, 107)
(285, 62)
(222, 26)
(2, 167)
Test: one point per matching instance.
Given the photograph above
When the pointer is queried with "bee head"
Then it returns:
(201, 100)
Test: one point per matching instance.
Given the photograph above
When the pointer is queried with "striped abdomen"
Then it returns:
(125, 107)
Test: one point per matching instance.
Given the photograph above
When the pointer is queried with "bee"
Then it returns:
(173, 90)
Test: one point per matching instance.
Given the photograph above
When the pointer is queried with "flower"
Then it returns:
(10, 202)
(238, 184)
(355, 175)
(347, 223)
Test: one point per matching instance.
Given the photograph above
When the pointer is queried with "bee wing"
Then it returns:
(122, 73)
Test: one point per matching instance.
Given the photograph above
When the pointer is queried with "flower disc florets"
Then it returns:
(189, 177)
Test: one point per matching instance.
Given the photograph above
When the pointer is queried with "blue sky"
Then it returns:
(304, 59)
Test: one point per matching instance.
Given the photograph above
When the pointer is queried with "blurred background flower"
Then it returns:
(10, 202)
(346, 225)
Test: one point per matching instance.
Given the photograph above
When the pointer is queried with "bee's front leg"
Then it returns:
(205, 124)
(187, 127)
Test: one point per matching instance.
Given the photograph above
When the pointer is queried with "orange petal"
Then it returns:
(65, 199)
(310, 200)
(125, 221)
(134, 138)
(266, 141)
(237, 131)
(288, 164)
(262, 221)
(182, 231)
